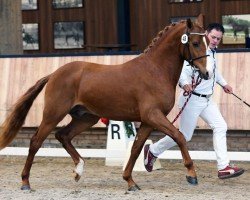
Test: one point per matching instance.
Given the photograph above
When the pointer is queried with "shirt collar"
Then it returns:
(212, 50)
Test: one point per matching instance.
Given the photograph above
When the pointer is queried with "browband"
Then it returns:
(197, 33)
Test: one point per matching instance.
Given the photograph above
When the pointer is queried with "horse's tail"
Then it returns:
(15, 120)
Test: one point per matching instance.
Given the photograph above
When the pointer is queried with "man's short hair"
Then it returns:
(215, 26)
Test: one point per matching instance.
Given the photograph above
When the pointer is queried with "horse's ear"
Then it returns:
(189, 23)
(200, 20)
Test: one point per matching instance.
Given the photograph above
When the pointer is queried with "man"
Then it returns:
(200, 105)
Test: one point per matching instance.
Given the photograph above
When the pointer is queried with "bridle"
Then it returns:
(185, 41)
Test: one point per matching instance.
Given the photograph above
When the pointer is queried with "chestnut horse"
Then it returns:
(145, 91)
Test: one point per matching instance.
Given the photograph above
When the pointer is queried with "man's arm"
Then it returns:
(222, 82)
(185, 80)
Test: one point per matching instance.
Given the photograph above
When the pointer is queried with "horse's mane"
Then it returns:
(160, 34)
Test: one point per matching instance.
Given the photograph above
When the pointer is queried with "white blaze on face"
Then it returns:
(205, 42)
(79, 167)
(208, 66)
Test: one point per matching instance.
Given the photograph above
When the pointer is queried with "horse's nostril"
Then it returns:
(206, 76)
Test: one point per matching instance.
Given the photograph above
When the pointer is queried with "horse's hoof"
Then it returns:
(192, 180)
(134, 188)
(77, 177)
(25, 187)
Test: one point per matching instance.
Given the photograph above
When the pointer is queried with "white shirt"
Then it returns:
(206, 87)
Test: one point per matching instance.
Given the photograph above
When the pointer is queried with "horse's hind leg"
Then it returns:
(35, 143)
(139, 141)
(52, 115)
(66, 134)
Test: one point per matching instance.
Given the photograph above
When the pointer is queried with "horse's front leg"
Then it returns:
(140, 139)
(157, 119)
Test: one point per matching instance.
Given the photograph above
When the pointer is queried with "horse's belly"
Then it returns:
(116, 110)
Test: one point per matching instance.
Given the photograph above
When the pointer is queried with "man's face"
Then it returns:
(214, 38)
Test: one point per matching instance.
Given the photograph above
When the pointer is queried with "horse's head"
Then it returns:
(194, 46)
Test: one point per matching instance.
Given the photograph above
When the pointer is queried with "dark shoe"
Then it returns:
(230, 172)
(149, 159)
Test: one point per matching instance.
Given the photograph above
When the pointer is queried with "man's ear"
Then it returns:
(189, 23)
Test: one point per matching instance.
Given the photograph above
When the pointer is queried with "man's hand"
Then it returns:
(188, 88)
(228, 89)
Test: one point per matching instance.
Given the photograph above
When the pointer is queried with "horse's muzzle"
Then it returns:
(204, 76)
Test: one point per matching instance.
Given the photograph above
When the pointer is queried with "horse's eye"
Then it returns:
(196, 44)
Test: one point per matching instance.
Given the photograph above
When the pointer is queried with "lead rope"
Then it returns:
(189, 94)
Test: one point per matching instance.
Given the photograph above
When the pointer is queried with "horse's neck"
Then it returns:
(166, 56)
